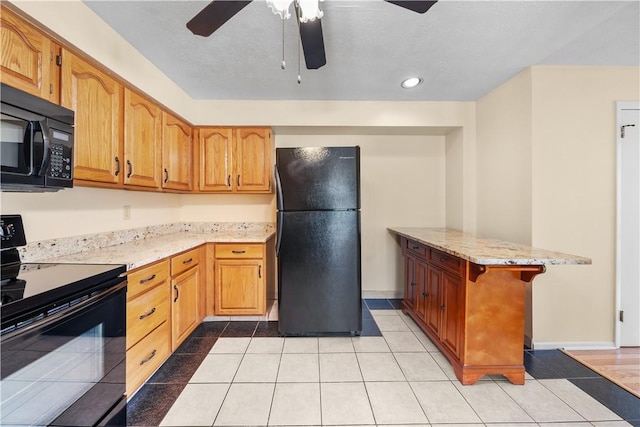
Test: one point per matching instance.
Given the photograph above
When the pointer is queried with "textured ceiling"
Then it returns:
(462, 49)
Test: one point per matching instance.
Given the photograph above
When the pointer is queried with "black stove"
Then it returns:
(63, 339)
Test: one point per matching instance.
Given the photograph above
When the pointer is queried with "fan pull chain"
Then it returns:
(284, 64)
(299, 44)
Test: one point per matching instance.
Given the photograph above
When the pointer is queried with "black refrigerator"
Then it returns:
(318, 241)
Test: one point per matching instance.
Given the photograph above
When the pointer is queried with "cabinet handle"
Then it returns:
(238, 180)
(228, 180)
(151, 356)
(238, 252)
(425, 294)
(413, 284)
(259, 272)
(166, 175)
(117, 172)
(145, 315)
(187, 261)
(148, 279)
(442, 307)
(130, 166)
(442, 259)
(175, 288)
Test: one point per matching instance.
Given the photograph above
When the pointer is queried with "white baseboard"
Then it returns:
(574, 345)
(382, 294)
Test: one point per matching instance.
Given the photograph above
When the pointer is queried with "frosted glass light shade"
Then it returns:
(280, 7)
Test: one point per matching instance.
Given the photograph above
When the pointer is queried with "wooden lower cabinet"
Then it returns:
(148, 322)
(186, 295)
(473, 313)
(242, 276)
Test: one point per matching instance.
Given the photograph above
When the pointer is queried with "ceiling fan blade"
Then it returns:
(414, 5)
(312, 44)
(214, 15)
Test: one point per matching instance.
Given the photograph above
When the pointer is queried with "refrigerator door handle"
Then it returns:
(279, 232)
(278, 189)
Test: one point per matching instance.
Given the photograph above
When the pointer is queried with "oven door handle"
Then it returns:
(62, 315)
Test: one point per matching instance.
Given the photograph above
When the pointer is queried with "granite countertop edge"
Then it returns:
(484, 251)
(139, 253)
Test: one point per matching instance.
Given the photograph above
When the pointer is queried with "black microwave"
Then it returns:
(37, 143)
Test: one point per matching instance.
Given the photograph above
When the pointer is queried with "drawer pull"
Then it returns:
(415, 248)
(143, 281)
(442, 307)
(175, 288)
(187, 261)
(239, 252)
(442, 259)
(145, 315)
(151, 356)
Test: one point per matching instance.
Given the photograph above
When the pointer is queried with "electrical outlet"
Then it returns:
(126, 212)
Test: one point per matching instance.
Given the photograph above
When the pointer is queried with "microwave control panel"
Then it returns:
(61, 162)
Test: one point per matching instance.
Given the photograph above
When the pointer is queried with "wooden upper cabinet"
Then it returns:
(28, 58)
(142, 141)
(235, 160)
(96, 99)
(177, 154)
(253, 160)
(216, 159)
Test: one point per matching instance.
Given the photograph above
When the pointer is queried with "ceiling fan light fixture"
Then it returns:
(309, 10)
(280, 7)
(411, 82)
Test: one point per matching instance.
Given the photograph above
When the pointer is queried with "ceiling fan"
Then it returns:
(216, 13)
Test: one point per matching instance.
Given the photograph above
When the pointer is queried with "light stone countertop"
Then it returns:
(138, 253)
(486, 251)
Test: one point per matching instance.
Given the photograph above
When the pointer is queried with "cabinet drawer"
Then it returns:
(449, 262)
(185, 261)
(145, 357)
(145, 279)
(238, 251)
(417, 248)
(146, 312)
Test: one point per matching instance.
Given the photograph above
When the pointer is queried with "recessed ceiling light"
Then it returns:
(411, 82)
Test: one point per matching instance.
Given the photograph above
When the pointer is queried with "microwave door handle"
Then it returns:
(46, 156)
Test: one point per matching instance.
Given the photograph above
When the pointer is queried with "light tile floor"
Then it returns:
(397, 379)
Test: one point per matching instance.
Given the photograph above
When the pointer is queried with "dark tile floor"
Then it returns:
(152, 402)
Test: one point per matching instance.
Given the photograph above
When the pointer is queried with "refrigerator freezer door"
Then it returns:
(319, 273)
(318, 178)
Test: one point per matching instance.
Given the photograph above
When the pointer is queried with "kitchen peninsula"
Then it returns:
(468, 295)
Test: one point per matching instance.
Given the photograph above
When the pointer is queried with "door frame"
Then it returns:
(620, 105)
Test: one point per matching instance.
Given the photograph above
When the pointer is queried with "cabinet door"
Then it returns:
(253, 166)
(184, 313)
(142, 140)
(176, 154)
(410, 281)
(453, 312)
(28, 58)
(421, 289)
(433, 300)
(216, 159)
(239, 287)
(97, 101)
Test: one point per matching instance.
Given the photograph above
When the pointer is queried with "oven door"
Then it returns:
(68, 369)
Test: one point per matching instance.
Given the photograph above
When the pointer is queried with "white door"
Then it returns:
(628, 245)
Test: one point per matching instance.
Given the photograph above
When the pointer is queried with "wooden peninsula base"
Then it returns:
(474, 311)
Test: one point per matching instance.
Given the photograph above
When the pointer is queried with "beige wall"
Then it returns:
(79, 210)
(503, 120)
(546, 143)
(574, 196)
